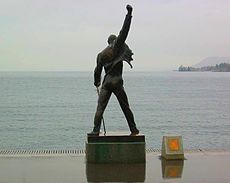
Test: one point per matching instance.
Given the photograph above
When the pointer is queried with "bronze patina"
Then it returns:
(111, 59)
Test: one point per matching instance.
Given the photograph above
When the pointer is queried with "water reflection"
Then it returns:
(115, 172)
(172, 168)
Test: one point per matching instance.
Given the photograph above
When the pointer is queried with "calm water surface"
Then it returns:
(55, 110)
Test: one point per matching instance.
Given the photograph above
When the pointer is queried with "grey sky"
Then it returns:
(62, 35)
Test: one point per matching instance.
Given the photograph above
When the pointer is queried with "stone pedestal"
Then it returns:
(115, 148)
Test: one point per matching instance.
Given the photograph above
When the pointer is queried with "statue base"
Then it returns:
(115, 148)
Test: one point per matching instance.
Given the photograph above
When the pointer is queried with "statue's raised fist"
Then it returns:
(129, 8)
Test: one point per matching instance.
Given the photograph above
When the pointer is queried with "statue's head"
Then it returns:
(111, 38)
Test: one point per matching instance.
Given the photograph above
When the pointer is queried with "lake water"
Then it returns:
(55, 110)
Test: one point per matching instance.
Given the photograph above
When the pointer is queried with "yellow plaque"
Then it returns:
(173, 144)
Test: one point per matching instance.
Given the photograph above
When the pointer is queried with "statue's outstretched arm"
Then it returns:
(125, 29)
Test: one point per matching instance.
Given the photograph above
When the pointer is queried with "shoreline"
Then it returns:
(80, 153)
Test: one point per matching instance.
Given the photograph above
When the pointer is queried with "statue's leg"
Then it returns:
(103, 100)
(123, 101)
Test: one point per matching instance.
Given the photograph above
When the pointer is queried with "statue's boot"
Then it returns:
(93, 133)
(134, 132)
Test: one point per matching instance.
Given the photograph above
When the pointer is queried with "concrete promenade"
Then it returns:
(200, 167)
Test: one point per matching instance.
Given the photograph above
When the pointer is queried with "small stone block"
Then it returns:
(172, 147)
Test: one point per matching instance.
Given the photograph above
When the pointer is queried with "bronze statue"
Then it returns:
(111, 58)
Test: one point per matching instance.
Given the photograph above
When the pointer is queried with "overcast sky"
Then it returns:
(66, 35)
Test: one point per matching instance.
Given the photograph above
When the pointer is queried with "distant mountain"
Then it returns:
(223, 67)
(212, 61)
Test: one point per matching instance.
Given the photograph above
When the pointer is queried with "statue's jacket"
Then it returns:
(112, 57)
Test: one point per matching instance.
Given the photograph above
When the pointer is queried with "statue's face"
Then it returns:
(111, 38)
